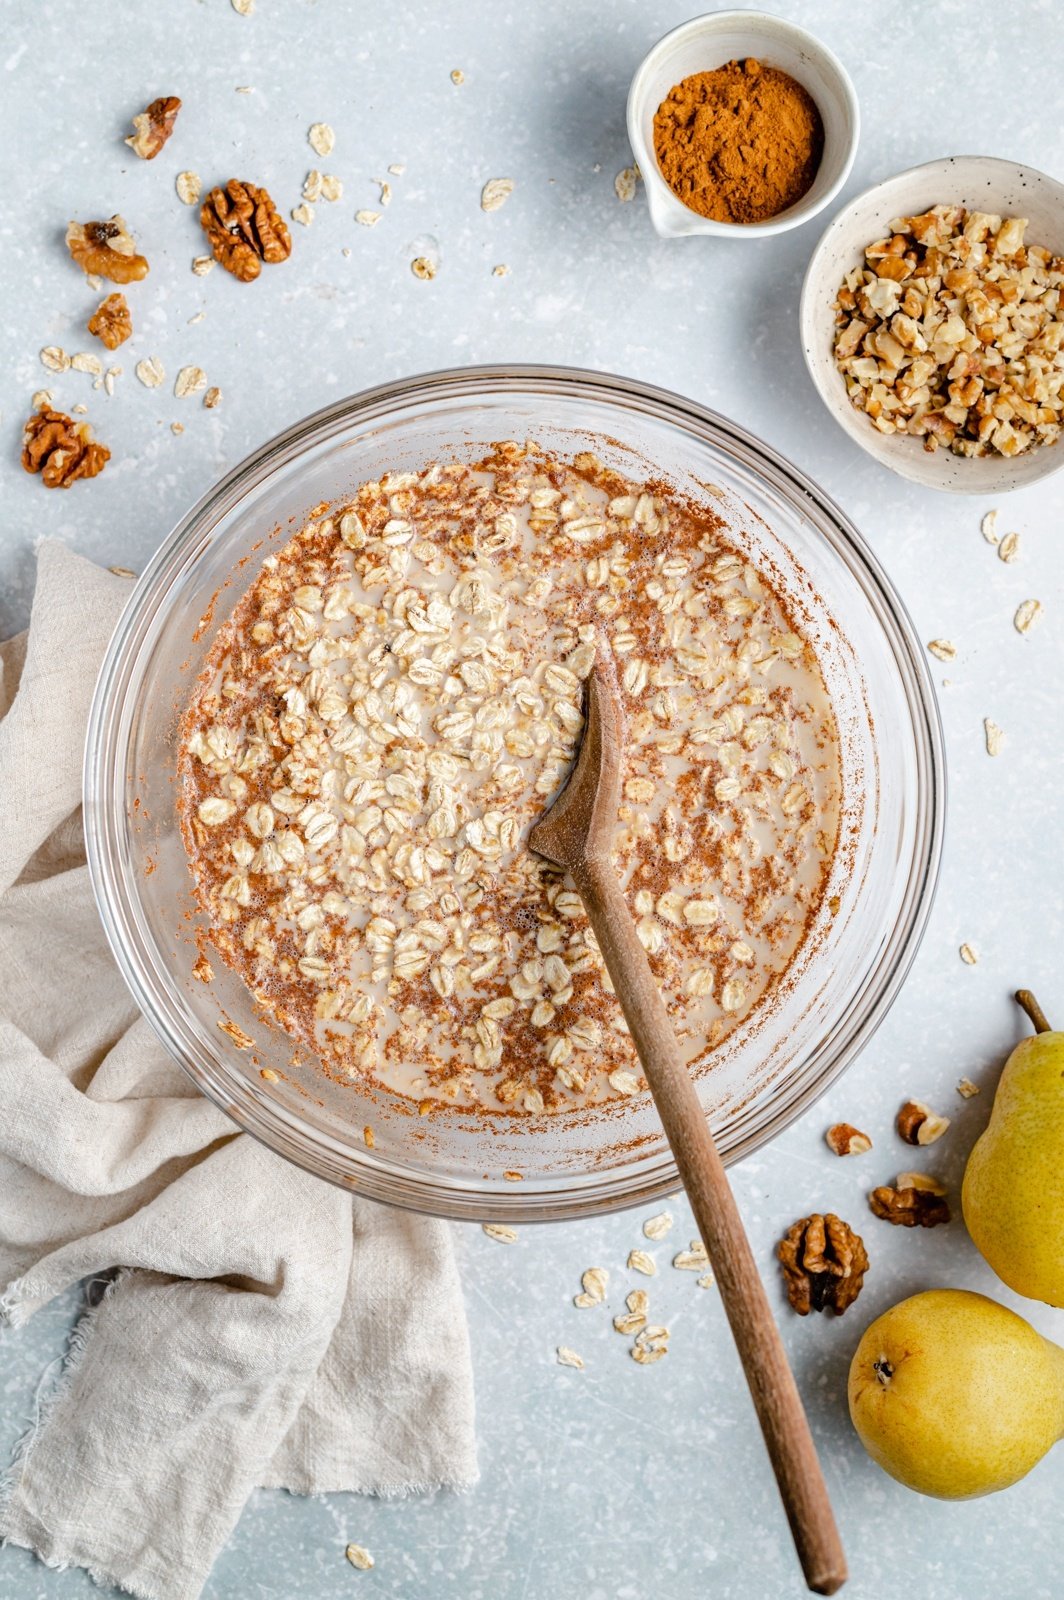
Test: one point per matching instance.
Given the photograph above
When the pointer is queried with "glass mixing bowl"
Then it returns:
(785, 1053)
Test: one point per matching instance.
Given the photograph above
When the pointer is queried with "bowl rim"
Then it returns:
(835, 401)
(794, 216)
(105, 753)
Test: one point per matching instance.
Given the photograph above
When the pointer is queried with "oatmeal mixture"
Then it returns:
(398, 697)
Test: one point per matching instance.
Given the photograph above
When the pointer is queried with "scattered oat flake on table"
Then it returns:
(303, 213)
(693, 1260)
(995, 737)
(988, 527)
(190, 380)
(500, 271)
(54, 358)
(150, 371)
(331, 188)
(1027, 614)
(43, 397)
(458, 76)
(397, 169)
(127, 572)
(967, 1089)
(189, 187)
(642, 1261)
(657, 1227)
(85, 361)
(942, 649)
(322, 138)
(569, 1358)
(201, 265)
(706, 1281)
(212, 398)
(312, 185)
(386, 191)
(1009, 548)
(109, 378)
(422, 267)
(244, 7)
(194, 321)
(968, 955)
(357, 1554)
(495, 193)
(369, 219)
(500, 1232)
(624, 184)
(594, 1282)
(177, 428)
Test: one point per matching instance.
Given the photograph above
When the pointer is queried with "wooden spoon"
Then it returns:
(576, 833)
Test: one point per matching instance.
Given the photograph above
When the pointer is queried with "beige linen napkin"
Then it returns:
(263, 1328)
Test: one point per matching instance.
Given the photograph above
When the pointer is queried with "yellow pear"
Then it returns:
(1013, 1193)
(954, 1395)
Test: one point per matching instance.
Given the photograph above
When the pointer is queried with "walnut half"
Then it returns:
(107, 249)
(60, 449)
(824, 1263)
(911, 1204)
(111, 322)
(244, 229)
(153, 126)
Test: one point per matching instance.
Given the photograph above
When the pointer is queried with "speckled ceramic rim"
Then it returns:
(105, 789)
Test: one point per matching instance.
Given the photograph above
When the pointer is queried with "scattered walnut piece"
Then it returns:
(918, 1124)
(967, 1089)
(244, 229)
(920, 1180)
(60, 449)
(111, 322)
(846, 1140)
(909, 1205)
(106, 249)
(994, 736)
(213, 397)
(824, 1263)
(154, 126)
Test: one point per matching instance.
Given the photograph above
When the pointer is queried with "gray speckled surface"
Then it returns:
(619, 1481)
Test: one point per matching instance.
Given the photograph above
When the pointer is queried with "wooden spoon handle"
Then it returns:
(775, 1395)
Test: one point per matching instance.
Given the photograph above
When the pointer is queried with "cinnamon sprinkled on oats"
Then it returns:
(393, 703)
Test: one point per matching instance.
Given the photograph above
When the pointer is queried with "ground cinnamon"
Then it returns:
(739, 144)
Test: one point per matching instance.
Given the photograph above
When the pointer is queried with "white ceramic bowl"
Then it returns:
(980, 183)
(712, 41)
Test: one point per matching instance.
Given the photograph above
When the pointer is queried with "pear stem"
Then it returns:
(1027, 1000)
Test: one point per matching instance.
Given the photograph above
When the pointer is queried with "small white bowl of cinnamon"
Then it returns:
(741, 124)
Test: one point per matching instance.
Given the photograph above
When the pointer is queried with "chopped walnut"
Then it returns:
(918, 1124)
(910, 1205)
(154, 126)
(111, 322)
(106, 249)
(846, 1140)
(951, 330)
(824, 1263)
(61, 449)
(244, 229)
